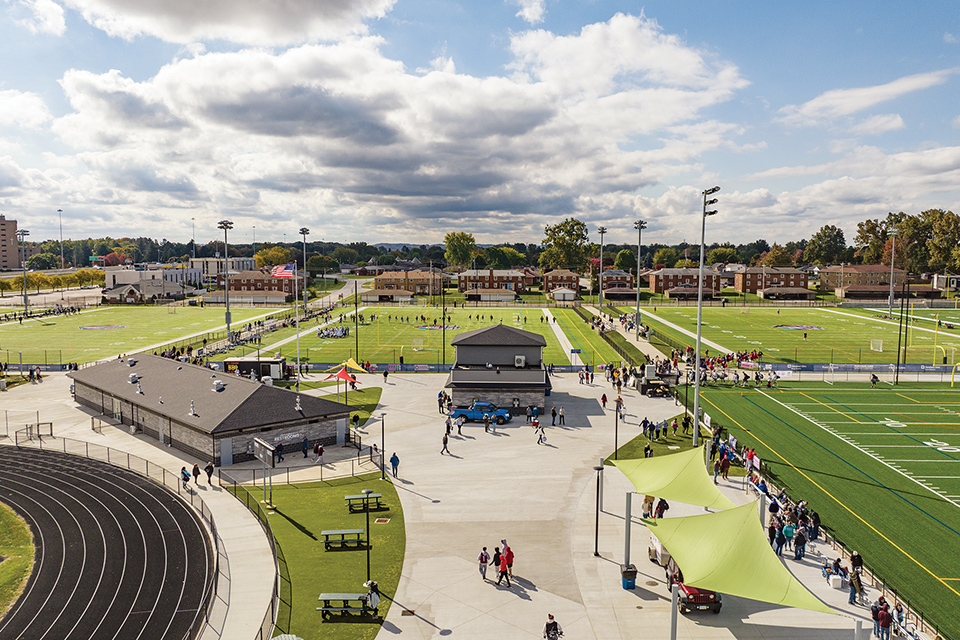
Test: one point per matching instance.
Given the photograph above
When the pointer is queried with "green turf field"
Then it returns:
(840, 336)
(112, 330)
(384, 339)
(881, 466)
(16, 549)
(593, 348)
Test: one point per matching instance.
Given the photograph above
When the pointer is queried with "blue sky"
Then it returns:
(399, 121)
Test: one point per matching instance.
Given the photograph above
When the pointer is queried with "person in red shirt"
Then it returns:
(508, 554)
(884, 620)
(503, 570)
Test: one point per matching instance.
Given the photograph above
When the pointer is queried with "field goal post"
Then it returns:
(876, 344)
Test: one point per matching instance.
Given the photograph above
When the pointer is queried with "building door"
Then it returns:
(226, 451)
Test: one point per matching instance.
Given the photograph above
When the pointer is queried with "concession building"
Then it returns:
(210, 415)
(499, 364)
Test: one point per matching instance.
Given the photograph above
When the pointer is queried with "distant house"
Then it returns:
(613, 278)
(663, 280)
(560, 278)
(422, 282)
(491, 295)
(146, 291)
(946, 282)
(753, 279)
(860, 275)
(491, 279)
(562, 294)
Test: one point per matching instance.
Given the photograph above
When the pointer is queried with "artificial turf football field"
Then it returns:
(107, 331)
(385, 338)
(833, 335)
(881, 466)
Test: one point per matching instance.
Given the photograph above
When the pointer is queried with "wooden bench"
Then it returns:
(356, 504)
(345, 606)
(342, 538)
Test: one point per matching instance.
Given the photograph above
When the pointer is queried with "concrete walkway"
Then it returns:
(541, 499)
(247, 566)
(562, 338)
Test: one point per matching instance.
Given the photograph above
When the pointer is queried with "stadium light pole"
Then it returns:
(62, 264)
(226, 225)
(21, 234)
(696, 354)
(893, 255)
(639, 225)
(601, 231)
(193, 236)
(254, 244)
(304, 232)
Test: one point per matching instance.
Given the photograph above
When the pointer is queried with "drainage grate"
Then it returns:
(407, 612)
(381, 521)
(651, 583)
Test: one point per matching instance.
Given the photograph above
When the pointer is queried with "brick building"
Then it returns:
(560, 278)
(9, 245)
(261, 280)
(664, 279)
(615, 278)
(753, 279)
(491, 279)
(860, 274)
(413, 281)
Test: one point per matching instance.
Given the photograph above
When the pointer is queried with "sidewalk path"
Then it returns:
(541, 498)
(562, 338)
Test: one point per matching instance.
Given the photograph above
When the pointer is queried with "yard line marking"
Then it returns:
(835, 499)
(909, 398)
(938, 477)
(895, 433)
(911, 461)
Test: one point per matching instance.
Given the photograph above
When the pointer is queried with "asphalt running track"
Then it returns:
(117, 556)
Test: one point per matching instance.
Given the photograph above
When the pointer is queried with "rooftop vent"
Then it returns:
(218, 385)
(133, 378)
(131, 362)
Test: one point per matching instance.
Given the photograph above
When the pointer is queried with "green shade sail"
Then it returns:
(728, 552)
(678, 476)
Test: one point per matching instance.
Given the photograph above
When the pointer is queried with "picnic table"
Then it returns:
(345, 607)
(342, 538)
(357, 503)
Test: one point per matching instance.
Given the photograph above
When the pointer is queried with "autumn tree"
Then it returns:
(777, 256)
(827, 246)
(272, 256)
(667, 256)
(460, 247)
(722, 254)
(566, 244)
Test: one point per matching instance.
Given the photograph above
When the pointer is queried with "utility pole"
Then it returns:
(226, 225)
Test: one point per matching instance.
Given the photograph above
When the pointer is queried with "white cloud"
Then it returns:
(531, 11)
(40, 16)
(949, 38)
(878, 124)
(21, 109)
(836, 103)
(244, 21)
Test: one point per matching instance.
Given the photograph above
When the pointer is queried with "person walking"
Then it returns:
(320, 452)
(529, 414)
(446, 439)
(279, 451)
(553, 416)
(503, 570)
(460, 425)
(185, 477)
(781, 540)
(305, 446)
(508, 554)
(538, 429)
(486, 422)
(562, 416)
(552, 629)
(484, 560)
(603, 401)
(799, 545)
(196, 474)
(449, 425)
(395, 463)
(885, 619)
(209, 470)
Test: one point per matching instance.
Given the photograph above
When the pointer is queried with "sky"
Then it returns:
(403, 120)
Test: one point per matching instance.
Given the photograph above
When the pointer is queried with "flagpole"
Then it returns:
(297, 307)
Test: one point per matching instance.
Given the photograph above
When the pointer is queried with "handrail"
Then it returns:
(156, 473)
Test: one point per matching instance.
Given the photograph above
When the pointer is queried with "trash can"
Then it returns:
(628, 574)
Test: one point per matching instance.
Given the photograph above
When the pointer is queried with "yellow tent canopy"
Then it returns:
(728, 552)
(350, 364)
(678, 476)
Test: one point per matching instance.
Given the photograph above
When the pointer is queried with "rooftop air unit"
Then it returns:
(520, 361)
(218, 385)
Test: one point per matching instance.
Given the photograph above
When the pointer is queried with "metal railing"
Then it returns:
(31, 436)
(271, 617)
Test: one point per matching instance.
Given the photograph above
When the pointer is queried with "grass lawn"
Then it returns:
(881, 466)
(60, 339)
(16, 549)
(593, 349)
(833, 335)
(303, 511)
(384, 339)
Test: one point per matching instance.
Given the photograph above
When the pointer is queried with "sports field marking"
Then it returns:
(689, 334)
(857, 446)
(835, 499)
(890, 322)
(562, 339)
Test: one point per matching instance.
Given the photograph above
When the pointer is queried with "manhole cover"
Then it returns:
(639, 607)
(407, 612)
(381, 521)
(651, 583)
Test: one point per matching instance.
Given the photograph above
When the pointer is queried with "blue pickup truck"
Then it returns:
(477, 410)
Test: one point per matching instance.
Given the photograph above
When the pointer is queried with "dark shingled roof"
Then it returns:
(499, 335)
(242, 403)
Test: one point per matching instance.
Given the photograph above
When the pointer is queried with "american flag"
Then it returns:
(283, 271)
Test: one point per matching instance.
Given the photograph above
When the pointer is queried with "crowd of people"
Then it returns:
(335, 331)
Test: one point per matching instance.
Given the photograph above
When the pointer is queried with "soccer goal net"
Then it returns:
(417, 344)
(744, 309)
(876, 344)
